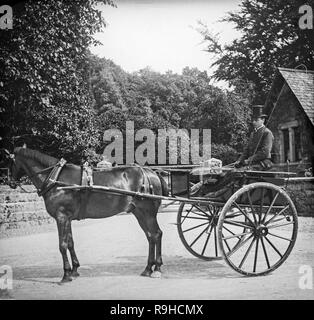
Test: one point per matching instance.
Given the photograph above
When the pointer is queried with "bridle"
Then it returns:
(48, 183)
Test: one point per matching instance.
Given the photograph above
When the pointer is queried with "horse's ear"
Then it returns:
(24, 146)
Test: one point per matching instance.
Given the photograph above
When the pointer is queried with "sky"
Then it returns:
(161, 34)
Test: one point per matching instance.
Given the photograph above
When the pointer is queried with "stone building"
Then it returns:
(290, 106)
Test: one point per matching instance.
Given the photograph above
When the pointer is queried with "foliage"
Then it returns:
(62, 98)
(224, 153)
(43, 88)
(270, 38)
(155, 101)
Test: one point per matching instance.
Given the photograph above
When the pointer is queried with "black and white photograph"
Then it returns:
(188, 125)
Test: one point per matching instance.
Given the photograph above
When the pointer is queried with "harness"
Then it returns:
(145, 179)
(50, 180)
(86, 180)
(52, 177)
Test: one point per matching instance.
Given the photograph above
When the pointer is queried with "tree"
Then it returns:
(271, 37)
(43, 71)
(156, 101)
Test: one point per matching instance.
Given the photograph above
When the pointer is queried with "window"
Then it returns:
(297, 144)
(286, 145)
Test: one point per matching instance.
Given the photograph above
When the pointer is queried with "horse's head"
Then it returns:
(16, 171)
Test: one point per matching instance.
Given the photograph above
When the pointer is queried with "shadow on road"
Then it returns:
(174, 268)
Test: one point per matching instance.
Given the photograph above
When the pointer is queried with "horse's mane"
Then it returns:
(36, 155)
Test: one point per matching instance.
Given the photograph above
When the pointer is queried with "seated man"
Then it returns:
(256, 153)
(258, 150)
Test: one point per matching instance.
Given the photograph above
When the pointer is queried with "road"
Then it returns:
(113, 253)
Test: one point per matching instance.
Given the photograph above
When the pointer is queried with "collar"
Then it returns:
(262, 126)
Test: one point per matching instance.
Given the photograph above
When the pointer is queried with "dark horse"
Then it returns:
(67, 205)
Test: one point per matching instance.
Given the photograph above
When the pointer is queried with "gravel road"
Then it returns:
(113, 253)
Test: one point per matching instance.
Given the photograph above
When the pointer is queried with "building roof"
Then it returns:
(301, 83)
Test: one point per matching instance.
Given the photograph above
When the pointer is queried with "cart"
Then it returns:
(250, 221)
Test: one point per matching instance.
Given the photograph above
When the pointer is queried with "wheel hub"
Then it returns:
(261, 230)
(214, 220)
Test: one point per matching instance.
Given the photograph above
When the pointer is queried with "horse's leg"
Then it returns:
(63, 230)
(159, 262)
(140, 216)
(155, 231)
(75, 262)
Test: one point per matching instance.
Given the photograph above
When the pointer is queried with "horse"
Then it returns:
(67, 205)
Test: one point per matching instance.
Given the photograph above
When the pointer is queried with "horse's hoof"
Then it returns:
(156, 275)
(75, 274)
(146, 273)
(65, 280)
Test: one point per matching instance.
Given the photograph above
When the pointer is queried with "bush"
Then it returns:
(224, 153)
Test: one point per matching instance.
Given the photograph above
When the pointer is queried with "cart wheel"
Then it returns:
(257, 228)
(197, 227)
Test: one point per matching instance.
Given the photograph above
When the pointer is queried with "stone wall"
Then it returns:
(19, 209)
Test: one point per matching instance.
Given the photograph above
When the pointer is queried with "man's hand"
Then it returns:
(248, 161)
(239, 164)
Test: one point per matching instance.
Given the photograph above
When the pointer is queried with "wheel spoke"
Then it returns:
(230, 231)
(238, 246)
(274, 247)
(261, 207)
(236, 235)
(245, 214)
(215, 234)
(188, 212)
(199, 214)
(239, 224)
(211, 212)
(198, 218)
(256, 254)
(280, 237)
(226, 242)
(235, 215)
(198, 237)
(195, 227)
(280, 225)
(200, 209)
(281, 219)
(205, 245)
(270, 207)
(277, 214)
(265, 253)
(247, 253)
(251, 205)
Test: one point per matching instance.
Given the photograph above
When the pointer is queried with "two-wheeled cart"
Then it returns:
(243, 216)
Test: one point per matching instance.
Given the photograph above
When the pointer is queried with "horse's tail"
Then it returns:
(164, 185)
